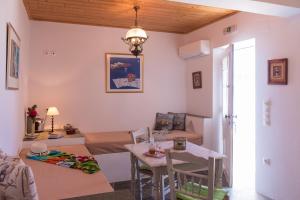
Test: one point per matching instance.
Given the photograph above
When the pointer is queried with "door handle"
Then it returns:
(230, 116)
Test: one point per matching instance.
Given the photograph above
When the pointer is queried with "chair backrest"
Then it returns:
(142, 134)
(187, 182)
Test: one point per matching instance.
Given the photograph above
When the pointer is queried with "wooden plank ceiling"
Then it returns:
(155, 15)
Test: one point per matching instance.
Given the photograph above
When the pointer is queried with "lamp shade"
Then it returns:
(52, 111)
(136, 33)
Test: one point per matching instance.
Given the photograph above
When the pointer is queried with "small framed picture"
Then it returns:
(197, 80)
(278, 72)
(13, 58)
(124, 73)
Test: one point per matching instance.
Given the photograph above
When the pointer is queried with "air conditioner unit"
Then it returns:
(199, 48)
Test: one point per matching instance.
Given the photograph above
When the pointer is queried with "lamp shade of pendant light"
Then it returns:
(135, 37)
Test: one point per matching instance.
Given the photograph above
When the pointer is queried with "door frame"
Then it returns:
(227, 118)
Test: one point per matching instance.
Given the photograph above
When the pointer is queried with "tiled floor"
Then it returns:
(246, 195)
(234, 194)
(127, 185)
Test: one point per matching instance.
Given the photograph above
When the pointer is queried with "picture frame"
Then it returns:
(124, 73)
(278, 71)
(12, 58)
(197, 80)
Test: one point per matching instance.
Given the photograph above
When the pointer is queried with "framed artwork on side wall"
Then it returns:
(12, 58)
(278, 71)
(124, 73)
(197, 80)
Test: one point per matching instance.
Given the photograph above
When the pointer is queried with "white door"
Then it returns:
(244, 108)
(227, 113)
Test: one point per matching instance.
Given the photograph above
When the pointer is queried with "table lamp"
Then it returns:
(52, 111)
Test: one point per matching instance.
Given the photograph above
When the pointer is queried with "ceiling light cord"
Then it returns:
(136, 8)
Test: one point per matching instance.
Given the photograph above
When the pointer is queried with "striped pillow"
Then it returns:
(179, 121)
(164, 121)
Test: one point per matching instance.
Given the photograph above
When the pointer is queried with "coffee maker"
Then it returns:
(39, 125)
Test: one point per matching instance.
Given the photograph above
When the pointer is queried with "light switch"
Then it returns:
(267, 112)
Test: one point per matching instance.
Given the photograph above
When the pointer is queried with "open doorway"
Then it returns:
(234, 111)
(244, 115)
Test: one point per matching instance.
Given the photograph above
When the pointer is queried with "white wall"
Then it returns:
(199, 101)
(275, 38)
(217, 120)
(12, 102)
(74, 79)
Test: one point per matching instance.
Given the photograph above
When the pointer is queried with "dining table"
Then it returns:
(115, 195)
(158, 166)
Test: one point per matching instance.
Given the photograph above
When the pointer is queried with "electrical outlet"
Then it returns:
(229, 29)
(49, 52)
(267, 161)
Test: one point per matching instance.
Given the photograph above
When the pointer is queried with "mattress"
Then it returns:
(107, 142)
(113, 142)
(190, 136)
(56, 182)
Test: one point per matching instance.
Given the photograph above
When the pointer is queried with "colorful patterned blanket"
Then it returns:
(85, 163)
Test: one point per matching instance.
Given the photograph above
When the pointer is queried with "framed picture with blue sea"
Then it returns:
(124, 73)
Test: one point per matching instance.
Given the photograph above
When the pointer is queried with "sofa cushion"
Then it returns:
(164, 121)
(190, 136)
(179, 121)
(107, 142)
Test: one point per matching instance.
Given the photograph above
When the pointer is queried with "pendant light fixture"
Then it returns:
(136, 36)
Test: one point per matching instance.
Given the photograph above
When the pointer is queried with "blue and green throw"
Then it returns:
(85, 163)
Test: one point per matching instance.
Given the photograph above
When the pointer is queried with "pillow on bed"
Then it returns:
(179, 121)
(164, 121)
(16, 180)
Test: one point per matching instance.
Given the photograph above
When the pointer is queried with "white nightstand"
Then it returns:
(73, 139)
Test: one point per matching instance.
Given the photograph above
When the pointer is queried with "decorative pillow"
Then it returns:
(179, 121)
(164, 121)
(16, 180)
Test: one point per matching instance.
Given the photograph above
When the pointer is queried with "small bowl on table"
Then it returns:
(180, 143)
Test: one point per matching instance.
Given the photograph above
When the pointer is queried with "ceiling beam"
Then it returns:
(280, 8)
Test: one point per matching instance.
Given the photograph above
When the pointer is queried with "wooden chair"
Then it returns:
(143, 171)
(187, 184)
(140, 135)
